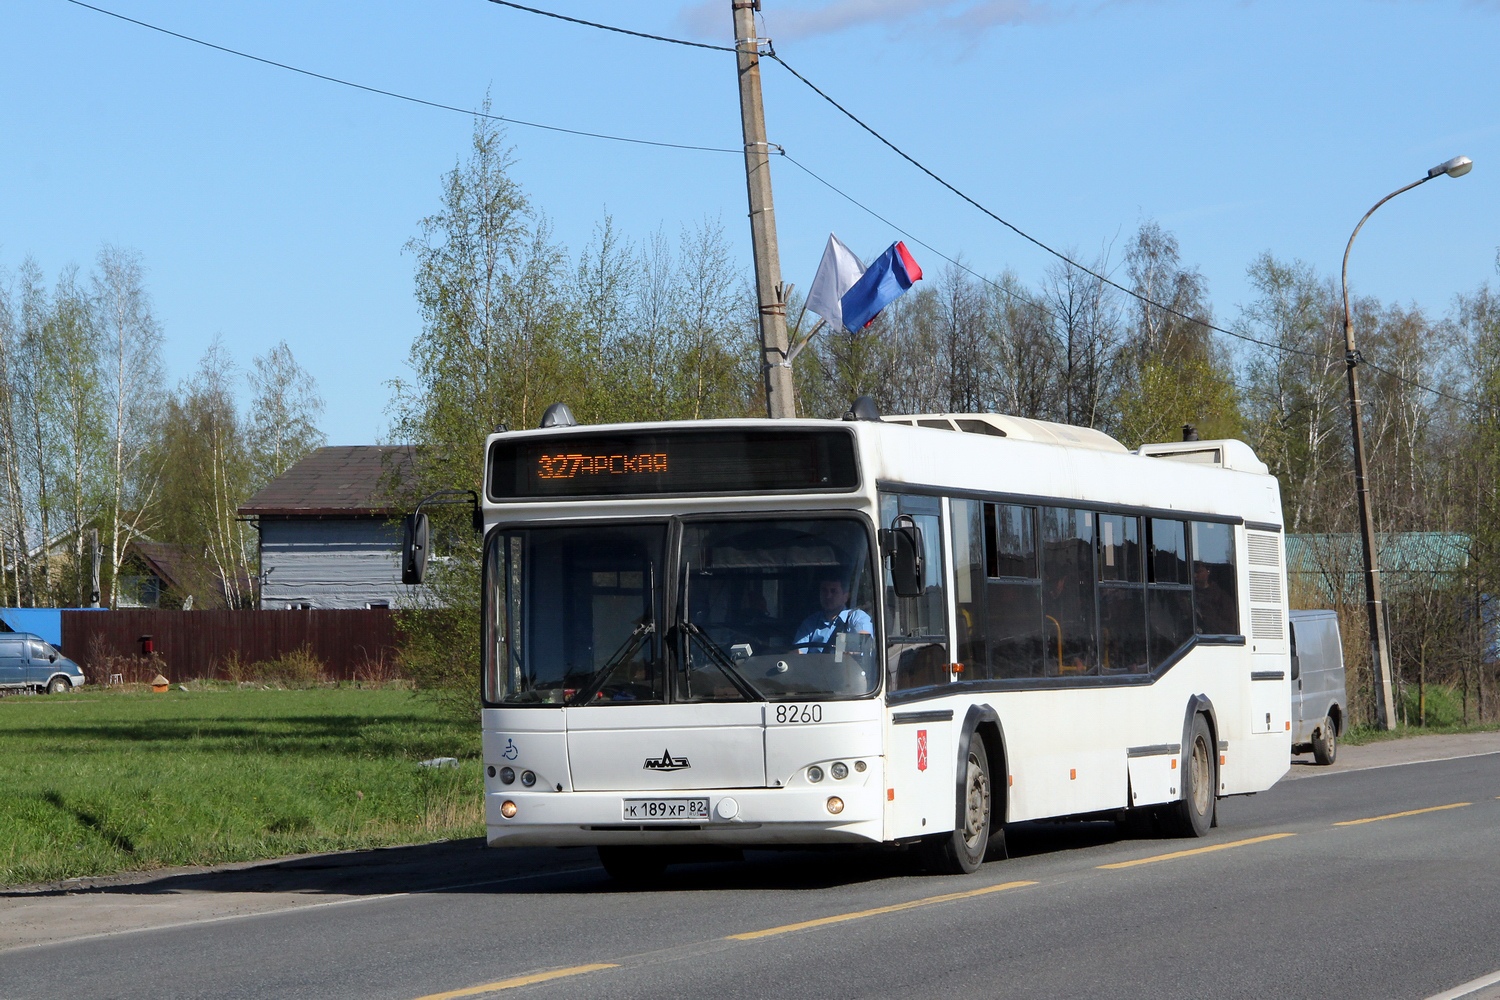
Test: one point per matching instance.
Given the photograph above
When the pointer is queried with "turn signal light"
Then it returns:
(835, 804)
(508, 809)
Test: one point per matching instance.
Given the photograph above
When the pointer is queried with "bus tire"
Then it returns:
(633, 866)
(962, 851)
(1325, 743)
(1193, 814)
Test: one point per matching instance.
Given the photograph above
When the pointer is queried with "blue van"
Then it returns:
(27, 661)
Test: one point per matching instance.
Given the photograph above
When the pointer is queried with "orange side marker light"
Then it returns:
(890, 795)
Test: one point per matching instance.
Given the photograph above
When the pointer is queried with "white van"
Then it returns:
(1318, 696)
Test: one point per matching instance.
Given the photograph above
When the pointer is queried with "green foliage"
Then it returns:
(100, 782)
(1166, 395)
(509, 327)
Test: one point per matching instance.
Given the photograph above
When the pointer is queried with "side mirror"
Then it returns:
(413, 548)
(51, 657)
(902, 544)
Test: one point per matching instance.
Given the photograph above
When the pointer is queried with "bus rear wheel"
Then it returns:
(962, 851)
(1193, 814)
(633, 866)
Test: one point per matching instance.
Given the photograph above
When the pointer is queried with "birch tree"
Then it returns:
(283, 419)
(135, 376)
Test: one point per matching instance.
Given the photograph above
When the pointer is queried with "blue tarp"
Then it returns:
(44, 622)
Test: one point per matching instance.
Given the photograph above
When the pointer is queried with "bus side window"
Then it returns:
(1169, 609)
(1122, 596)
(969, 558)
(917, 632)
(1068, 592)
(1013, 592)
(1215, 608)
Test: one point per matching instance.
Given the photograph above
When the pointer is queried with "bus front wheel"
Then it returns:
(962, 851)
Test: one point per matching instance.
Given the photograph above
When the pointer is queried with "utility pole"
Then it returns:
(770, 294)
(1380, 646)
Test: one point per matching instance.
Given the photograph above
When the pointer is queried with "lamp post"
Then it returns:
(1380, 650)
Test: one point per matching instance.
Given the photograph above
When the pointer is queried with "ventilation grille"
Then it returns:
(1265, 623)
(1263, 549)
(1265, 587)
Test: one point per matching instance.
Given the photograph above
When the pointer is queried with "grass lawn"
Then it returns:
(97, 781)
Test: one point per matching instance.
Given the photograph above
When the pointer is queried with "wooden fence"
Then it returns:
(197, 643)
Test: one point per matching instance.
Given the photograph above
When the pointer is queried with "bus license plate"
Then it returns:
(667, 809)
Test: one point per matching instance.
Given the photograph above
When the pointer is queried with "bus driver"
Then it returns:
(833, 616)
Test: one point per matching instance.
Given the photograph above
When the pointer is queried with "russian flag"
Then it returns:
(886, 280)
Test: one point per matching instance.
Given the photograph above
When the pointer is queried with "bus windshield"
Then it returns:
(760, 609)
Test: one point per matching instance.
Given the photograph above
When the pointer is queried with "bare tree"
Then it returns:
(134, 340)
(283, 424)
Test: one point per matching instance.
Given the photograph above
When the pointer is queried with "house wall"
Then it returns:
(329, 562)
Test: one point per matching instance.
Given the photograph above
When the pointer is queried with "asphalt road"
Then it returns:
(1381, 882)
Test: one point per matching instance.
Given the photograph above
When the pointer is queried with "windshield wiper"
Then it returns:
(723, 662)
(627, 649)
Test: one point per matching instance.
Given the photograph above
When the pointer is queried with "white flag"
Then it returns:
(837, 273)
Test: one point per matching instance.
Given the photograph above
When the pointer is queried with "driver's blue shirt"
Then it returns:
(817, 631)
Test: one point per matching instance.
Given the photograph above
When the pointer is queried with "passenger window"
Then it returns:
(969, 557)
(1122, 596)
(1068, 592)
(1215, 609)
(1119, 548)
(1013, 594)
(1168, 562)
(917, 643)
(1169, 601)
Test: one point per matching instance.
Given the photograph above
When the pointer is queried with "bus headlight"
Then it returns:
(528, 778)
(507, 774)
(508, 809)
(839, 770)
(835, 804)
(815, 774)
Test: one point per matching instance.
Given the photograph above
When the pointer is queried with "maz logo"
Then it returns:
(666, 762)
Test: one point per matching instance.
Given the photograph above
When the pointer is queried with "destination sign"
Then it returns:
(686, 462)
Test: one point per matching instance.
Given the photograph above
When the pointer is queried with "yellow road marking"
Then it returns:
(512, 983)
(1198, 850)
(1409, 812)
(877, 911)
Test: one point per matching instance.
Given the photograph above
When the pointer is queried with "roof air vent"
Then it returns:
(863, 408)
(558, 415)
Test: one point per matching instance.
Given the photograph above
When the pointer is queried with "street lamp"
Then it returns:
(1380, 650)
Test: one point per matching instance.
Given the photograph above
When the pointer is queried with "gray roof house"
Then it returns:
(328, 537)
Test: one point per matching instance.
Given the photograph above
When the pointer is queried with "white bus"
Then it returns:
(899, 630)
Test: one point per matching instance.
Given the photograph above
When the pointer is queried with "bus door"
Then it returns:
(920, 752)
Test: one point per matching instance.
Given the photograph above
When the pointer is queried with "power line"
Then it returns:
(971, 201)
(1145, 300)
(771, 53)
(404, 97)
(611, 27)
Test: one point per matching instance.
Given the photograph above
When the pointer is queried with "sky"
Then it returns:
(269, 206)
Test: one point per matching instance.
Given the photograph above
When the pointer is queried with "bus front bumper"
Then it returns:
(739, 816)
